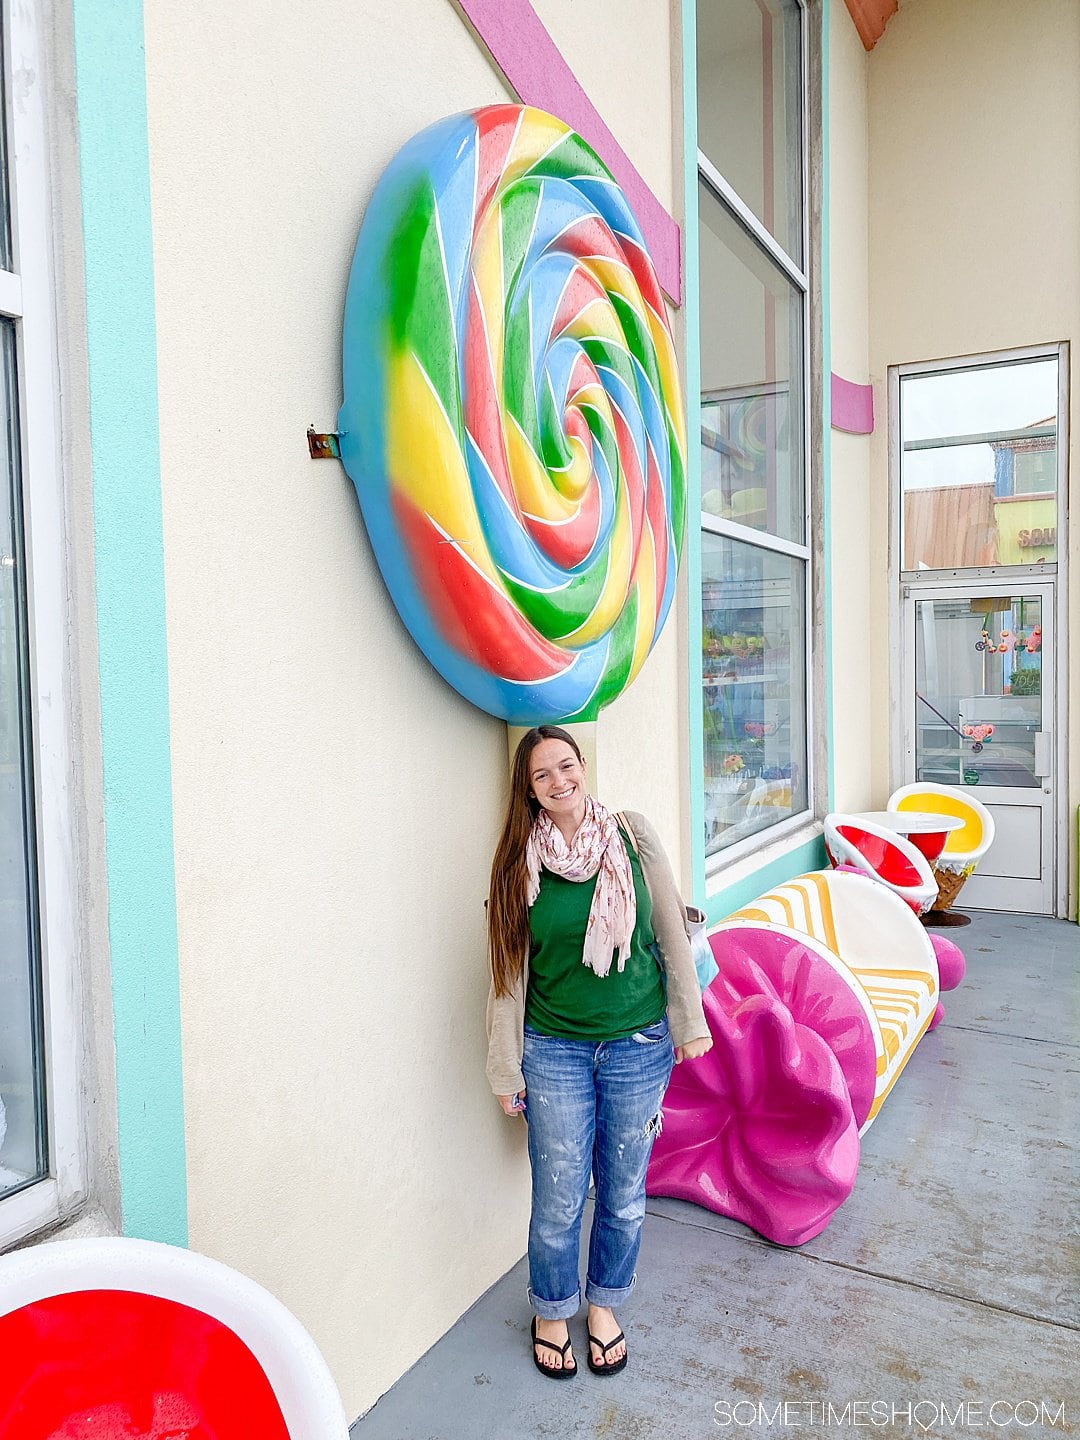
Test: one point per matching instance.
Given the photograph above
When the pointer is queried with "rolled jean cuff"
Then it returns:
(556, 1309)
(602, 1295)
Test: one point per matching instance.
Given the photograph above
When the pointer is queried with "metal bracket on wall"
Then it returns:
(323, 447)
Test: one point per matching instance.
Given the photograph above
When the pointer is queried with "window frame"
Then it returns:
(1016, 355)
(903, 583)
(27, 297)
(721, 860)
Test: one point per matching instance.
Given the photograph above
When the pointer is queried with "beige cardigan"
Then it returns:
(506, 1015)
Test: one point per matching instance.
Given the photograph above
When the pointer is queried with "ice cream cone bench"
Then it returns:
(825, 987)
(968, 826)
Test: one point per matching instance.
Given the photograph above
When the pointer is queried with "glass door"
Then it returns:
(981, 717)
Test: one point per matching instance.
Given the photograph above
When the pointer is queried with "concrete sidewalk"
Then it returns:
(949, 1282)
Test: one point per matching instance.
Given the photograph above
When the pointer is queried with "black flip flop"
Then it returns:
(549, 1370)
(616, 1365)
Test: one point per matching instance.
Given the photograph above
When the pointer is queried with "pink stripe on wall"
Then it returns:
(535, 69)
(852, 406)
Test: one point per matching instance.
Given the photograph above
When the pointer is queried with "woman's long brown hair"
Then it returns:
(508, 908)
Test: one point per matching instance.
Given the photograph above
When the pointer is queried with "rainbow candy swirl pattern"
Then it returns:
(513, 418)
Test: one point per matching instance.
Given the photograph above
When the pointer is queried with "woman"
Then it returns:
(578, 1025)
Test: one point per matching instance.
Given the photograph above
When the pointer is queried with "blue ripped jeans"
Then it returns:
(590, 1107)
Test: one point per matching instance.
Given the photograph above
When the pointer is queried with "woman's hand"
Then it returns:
(514, 1105)
(691, 1050)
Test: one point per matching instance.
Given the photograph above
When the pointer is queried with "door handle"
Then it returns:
(1044, 753)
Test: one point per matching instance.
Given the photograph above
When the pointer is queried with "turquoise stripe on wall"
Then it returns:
(826, 407)
(130, 578)
(691, 295)
(810, 856)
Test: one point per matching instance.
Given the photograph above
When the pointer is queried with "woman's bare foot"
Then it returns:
(602, 1325)
(549, 1355)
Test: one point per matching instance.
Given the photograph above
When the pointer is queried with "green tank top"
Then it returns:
(566, 998)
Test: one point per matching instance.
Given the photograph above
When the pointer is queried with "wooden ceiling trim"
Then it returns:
(871, 17)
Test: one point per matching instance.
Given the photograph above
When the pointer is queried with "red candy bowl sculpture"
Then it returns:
(126, 1340)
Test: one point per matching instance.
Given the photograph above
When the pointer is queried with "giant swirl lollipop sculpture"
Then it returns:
(513, 419)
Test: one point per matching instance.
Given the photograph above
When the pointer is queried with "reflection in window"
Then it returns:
(754, 675)
(749, 107)
(751, 380)
(978, 690)
(745, 438)
(979, 465)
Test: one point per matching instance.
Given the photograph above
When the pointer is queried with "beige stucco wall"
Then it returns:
(974, 216)
(852, 633)
(335, 803)
(605, 44)
(622, 52)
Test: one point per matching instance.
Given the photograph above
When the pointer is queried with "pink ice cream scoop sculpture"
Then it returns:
(951, 970)
(766, 1127)
(762, 1128)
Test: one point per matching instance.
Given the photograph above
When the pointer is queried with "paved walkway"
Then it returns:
(949, 1282)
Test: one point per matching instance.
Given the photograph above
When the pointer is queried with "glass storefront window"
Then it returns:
(749, 73)
(42, 1088)
(978, 690)
(978, 465)
(754, 676)
(753, 328)
(22, 1114)
(752, 457)
(5, 189)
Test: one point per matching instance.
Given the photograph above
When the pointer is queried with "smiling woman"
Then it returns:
(594, 996)
(558, 780)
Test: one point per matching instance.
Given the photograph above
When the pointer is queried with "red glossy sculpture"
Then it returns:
(884, 855)
(126, 1340)
(110, 1365)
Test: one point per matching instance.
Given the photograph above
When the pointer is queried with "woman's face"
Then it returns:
(557, 779)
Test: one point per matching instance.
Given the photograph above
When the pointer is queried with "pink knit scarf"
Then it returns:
(596, 846)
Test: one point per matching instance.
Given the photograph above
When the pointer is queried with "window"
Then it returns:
(750, 126)
(22, 1088)
(979, 668)
(753, 325)
(979, 464)
(41, 1163)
